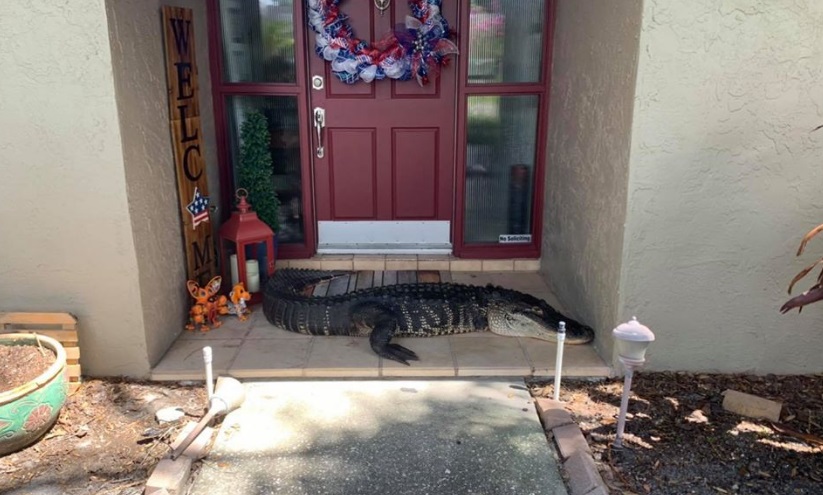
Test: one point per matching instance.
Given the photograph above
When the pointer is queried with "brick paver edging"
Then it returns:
(171, 477)
(578, 464)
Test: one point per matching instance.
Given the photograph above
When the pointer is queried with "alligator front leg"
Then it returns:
(380, 340)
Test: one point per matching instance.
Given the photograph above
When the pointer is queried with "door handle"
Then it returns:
(319, 124)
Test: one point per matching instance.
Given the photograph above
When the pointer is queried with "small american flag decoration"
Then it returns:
(199, 208)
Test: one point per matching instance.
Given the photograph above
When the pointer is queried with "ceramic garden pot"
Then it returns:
(28, 411)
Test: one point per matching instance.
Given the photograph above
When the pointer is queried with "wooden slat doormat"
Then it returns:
(59, 326)
(367, 279)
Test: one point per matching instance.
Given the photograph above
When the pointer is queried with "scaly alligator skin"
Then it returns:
(411, 310)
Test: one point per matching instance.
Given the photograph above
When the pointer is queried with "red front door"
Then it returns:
(388, 146)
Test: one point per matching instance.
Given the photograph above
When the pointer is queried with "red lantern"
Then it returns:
(240, 239)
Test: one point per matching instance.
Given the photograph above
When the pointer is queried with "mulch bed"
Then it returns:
(680, 439)
(106, 440)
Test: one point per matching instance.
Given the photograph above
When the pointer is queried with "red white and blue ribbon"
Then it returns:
(417, 49)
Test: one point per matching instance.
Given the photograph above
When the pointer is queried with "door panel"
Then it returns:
(406, 170)
(336, 89)
(353, 166)
(410, 89)
(415, 173)
(361, 15)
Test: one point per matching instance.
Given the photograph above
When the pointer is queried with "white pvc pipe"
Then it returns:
(207, 359)
(624, 405)
(558, 362)
(229, 394)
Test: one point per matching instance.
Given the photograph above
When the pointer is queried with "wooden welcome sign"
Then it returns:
(184, 116)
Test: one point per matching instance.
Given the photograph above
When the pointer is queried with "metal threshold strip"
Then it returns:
(384, 237)
(377, 248)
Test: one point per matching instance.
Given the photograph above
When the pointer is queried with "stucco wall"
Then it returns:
(135, 31)
(593, 77)
(724, 180)
(66, 242)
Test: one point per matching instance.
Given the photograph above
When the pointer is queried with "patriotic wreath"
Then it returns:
(417, 49)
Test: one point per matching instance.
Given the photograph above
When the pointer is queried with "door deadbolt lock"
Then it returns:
(317, 82)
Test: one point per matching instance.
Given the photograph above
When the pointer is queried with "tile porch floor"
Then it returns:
(256, 349)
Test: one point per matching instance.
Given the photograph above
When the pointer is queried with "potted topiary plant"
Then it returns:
(33, 388)
(254, 172)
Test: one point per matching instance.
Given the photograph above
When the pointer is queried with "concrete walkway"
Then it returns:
(434, 437)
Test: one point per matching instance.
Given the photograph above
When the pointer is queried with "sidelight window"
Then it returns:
(503, 94)
(257, 70)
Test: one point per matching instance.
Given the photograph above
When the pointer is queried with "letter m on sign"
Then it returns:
(184, 116)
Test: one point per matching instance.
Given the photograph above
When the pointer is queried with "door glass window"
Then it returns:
(258, 41)
(500, 162)
(281, 114)
(505, 41)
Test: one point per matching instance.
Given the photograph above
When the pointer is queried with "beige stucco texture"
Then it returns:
(140, 84)
(66, 241)
(90, 220)
(592, 96)
(724, 179)
(680, 196)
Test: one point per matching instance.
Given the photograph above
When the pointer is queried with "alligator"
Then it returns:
(410, 310)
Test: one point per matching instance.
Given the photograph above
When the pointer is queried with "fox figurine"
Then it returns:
(208, 305)
(238, 297)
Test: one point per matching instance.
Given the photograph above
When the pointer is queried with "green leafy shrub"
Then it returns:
(254, 173)
(483, 130)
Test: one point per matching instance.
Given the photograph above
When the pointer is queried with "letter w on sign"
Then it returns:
(184, 117)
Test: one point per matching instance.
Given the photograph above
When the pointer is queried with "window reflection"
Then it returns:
(258, 40)
(281, 114)
(505, 41)
(500, 163)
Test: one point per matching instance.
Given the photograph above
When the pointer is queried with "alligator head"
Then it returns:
(515, 314)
